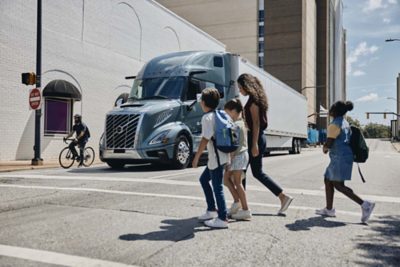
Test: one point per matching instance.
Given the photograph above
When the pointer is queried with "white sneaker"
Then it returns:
(216, 223)
(242, 215)
(326, 212)
(208, 216)
(366, 209)
(285, 204)
(235, 207)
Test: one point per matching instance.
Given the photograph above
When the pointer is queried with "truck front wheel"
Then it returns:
(182, 152)
(116, 164)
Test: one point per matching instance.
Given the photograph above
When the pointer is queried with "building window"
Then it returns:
(261, 62)
(260, 47)
(260, 15)
(260, 30)
(57, 116)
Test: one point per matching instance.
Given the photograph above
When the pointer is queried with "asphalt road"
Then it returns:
(147, 217)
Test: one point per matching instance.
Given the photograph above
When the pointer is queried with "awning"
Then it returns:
(61, 88)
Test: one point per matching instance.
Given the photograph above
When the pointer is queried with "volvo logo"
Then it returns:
(119, 130)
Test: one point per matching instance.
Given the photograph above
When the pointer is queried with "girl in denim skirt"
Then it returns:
(341, 164)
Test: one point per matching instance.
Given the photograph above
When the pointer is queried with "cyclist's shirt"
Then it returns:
(79, 128)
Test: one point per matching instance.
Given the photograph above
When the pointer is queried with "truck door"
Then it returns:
(193, 118)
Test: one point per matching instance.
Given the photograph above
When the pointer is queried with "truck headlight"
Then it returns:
(160, 138)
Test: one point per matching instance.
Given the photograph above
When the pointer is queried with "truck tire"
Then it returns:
(298, 146)
(116, 164)
(293, 150)
(182, 153)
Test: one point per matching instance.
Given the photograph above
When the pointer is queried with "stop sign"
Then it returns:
(35, 98)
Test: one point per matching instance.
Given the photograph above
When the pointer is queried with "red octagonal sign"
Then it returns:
(35, 98)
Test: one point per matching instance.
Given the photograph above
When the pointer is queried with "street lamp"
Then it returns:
(392, 40)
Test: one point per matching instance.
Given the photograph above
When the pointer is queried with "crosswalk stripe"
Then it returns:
(171, 196)
(158, 180)
(55, 257)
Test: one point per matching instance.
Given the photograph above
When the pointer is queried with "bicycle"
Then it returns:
(67, 159)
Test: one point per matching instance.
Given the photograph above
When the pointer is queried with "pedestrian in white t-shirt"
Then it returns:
(213, 172)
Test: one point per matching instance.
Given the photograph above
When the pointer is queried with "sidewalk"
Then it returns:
(19, 165)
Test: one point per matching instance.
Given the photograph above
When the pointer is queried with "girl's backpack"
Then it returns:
(359, 148)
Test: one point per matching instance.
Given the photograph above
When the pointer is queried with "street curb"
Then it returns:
(30, 167)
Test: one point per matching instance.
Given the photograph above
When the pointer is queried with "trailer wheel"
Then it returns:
(293, 150)
(298, 146)
(116, 164)
(182, 152)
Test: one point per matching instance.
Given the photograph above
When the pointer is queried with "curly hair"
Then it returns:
(253, 87)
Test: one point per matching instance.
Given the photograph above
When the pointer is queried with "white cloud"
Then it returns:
(372, 5)
(386, 20)
(368, 98)
(361, 50)
(358, 73)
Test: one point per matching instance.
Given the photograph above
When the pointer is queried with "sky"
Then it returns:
(372, 63)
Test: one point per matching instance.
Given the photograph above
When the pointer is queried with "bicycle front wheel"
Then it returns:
(66, 158)
(88, 156)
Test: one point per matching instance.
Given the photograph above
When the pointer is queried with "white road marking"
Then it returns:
(118, 192)
(55, 257)
(157, 180)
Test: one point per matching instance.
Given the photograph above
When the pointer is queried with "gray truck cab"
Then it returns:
(161, 121)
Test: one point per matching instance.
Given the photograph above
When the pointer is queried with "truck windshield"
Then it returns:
(158, 88)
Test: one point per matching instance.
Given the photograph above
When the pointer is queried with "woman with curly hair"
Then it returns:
(255, 114)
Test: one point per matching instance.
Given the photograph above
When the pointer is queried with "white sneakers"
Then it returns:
(216, 223)
(242, 215)
(208, 216)
(210, 219)
(366, 210)
(326, 212)
(285, 204)
(235, 207)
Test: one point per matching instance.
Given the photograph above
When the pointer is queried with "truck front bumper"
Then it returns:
(157, 154)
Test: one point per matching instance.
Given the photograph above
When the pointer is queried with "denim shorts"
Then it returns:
(240, 162)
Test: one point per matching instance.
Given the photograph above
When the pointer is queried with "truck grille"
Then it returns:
(121, 131)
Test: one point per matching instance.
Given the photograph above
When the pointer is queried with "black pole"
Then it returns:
(38, 113)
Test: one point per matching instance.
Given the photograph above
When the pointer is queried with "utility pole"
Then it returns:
(37, 160)
(398, 107)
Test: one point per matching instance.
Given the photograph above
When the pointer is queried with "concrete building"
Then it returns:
(331, 55)
(290, 46)
(301, 42)
(88, 45)
(233, 22)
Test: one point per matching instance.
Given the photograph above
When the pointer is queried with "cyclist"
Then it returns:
(82, 137)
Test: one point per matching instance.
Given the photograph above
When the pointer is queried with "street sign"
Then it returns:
(35, 98)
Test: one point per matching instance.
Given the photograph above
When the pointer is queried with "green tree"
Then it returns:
(353, 122)
(375, 130)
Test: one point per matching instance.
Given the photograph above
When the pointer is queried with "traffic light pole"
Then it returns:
(37, 160)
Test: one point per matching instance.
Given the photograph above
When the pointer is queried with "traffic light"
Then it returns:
(384, 116)
(367, 116)
(28, 78)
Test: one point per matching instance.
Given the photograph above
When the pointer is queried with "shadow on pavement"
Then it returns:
(176, 230)
(382, 246)
(319, 221)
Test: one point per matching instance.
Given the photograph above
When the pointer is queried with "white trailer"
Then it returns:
(287, 114)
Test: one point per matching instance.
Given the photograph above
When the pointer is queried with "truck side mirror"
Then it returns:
(190, 107)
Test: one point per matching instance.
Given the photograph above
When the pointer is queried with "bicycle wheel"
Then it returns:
(66, 158)
(88, 156)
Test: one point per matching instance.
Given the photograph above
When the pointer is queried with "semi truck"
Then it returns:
(160, 122)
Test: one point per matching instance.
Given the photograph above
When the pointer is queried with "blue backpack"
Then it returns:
(227, 133)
